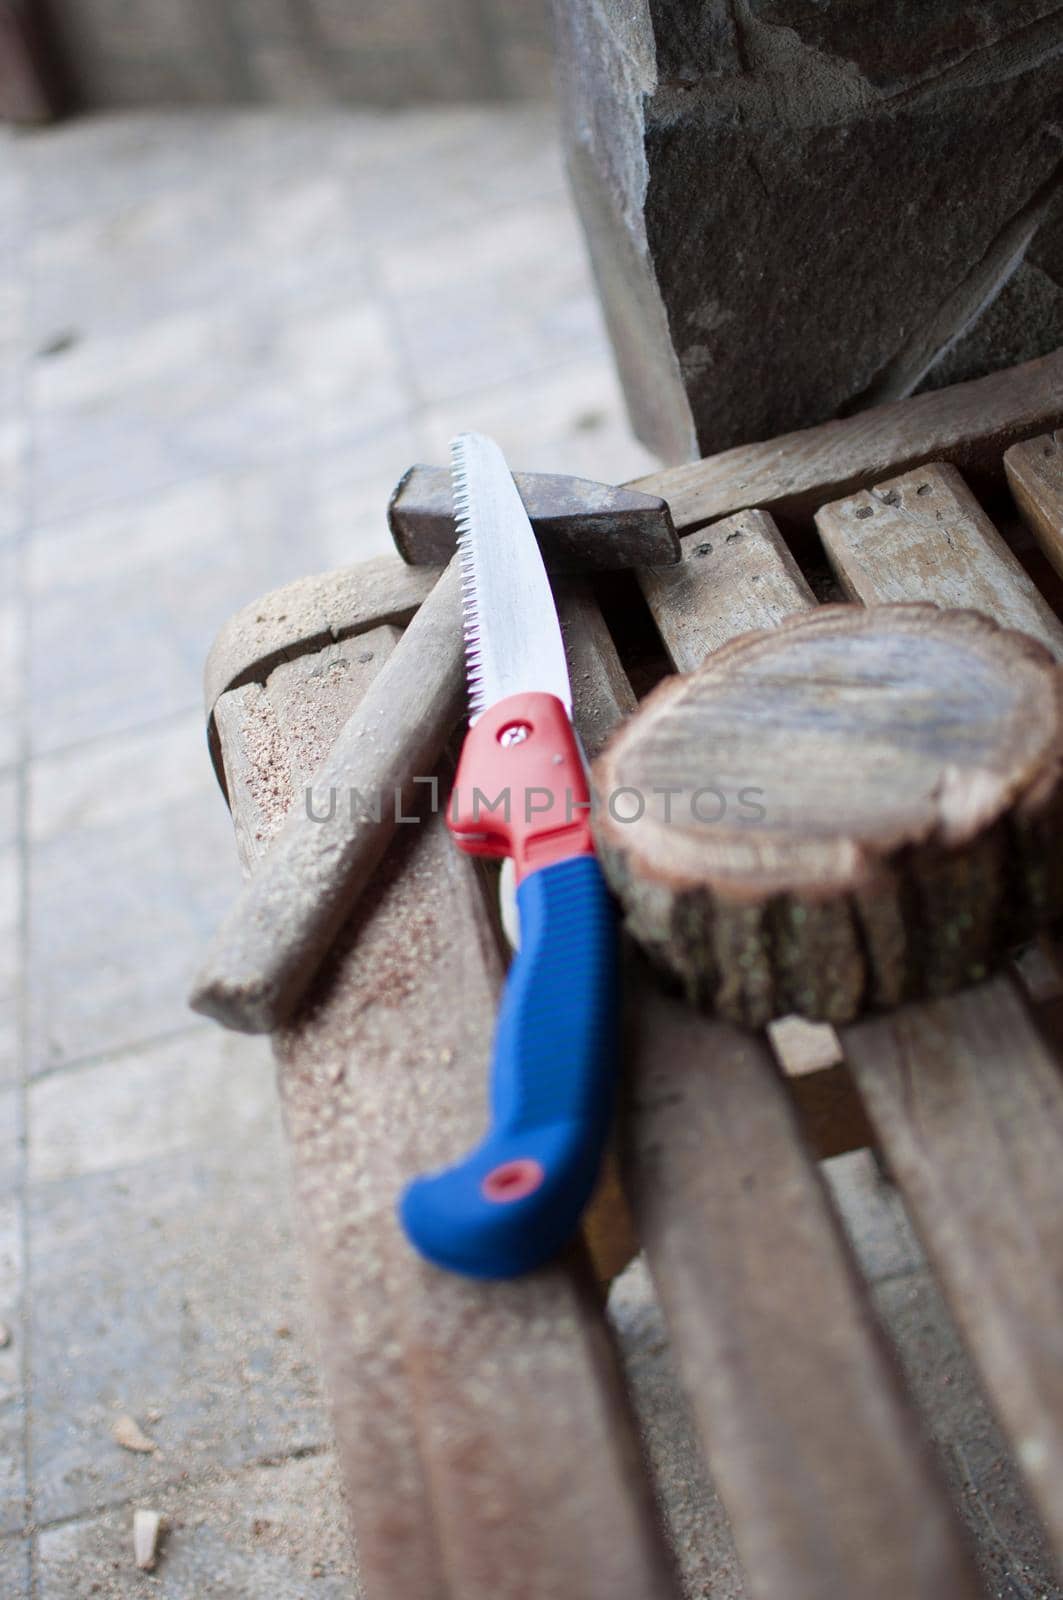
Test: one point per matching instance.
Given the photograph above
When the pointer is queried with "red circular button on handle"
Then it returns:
(513, 1180)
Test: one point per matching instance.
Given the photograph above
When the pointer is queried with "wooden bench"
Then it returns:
(484, 1432)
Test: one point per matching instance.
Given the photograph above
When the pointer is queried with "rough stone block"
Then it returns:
(796, 211)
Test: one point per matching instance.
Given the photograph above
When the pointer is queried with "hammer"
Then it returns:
(274, 940)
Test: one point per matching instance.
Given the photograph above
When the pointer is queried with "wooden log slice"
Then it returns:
(858, 807)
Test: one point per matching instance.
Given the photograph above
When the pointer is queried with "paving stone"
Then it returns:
(124, 897)
(165, 1282)
(13, 1502)
(11, 1145)
(494, 300)
(99, 166)
(12, 653)
(149, 1103)
(422, 174)
(13, 447)
(206, 390)
(272, 1531)
(125, 602)
(347, 493)
(345, 369)
(12, 188)
(122, 414)
(9, 809)
(13, 322)
(10, 927)
(251, 235)
(1011, 1549)
(15, 1569)
(12, 1389)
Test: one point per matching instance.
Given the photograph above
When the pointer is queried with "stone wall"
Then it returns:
(370, 52)
(796, 210)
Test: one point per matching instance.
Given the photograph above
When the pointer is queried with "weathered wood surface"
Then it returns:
(1035, 476)
(852, 808)
(933, 541)
(275, 937)
(814, 1471)
(817, 1456)
(601, 697)
(262, 769)
(969, 424)
(968, 1104)
(306, 615)
(746, 553)
(924, 536)
(711, 598)
(601, 693)
(485, 1440)
(982, 1137)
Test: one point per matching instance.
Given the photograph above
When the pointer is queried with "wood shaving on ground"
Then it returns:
(128, 1433)
(148, 1528)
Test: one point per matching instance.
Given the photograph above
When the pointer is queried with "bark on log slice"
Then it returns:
(858, 807)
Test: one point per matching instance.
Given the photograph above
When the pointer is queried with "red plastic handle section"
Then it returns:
(521, 789)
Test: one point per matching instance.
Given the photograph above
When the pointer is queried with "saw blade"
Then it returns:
(513, 641)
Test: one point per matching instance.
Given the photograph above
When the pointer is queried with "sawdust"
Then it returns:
(268, 777)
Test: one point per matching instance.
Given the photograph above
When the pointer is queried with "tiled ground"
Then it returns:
(221, 340)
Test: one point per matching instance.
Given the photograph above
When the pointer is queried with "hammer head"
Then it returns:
(581, 526)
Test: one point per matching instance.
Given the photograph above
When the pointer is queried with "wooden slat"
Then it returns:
(819, 1461)
(968, 1104)
(812, 1444)
(761, 584)
(969, 424)
(738, 578)
(1035, 474)
(959, 1138)
(923, 536)
(602, 695)
(600, 689)
(305, 616)
(484, 1436)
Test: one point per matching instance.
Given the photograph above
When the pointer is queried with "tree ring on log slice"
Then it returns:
(856, 808)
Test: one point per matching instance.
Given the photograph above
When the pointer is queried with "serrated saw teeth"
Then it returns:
(466, 557)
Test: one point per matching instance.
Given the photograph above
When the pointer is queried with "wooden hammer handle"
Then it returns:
(275, 938)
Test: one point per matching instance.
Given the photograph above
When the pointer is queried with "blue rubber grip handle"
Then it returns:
(517, 1199)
